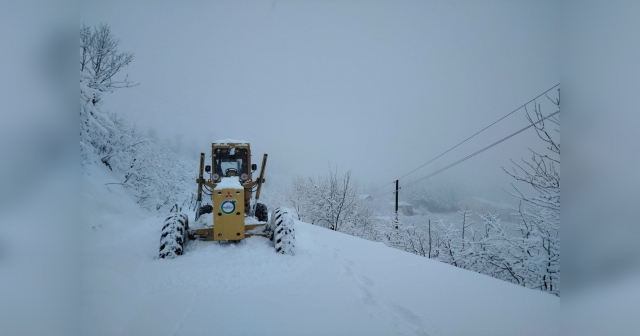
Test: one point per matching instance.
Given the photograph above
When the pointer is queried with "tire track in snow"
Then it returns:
(403, 317)
(185, 315)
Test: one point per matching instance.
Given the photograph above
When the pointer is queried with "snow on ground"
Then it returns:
(335, 284)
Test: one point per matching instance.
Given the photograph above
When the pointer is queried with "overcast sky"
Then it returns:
(378, 88)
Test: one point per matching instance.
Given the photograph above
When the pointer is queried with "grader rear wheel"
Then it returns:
(261, 212)
(205, 209)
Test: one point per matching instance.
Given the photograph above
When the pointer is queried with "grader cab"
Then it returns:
(235, 213)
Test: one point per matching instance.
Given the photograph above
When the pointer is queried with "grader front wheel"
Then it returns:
(174, 236)
(283, 234)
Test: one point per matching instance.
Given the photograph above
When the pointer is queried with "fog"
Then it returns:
(379, 89)
(375, 88)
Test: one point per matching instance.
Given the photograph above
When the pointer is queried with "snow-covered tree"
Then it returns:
(101, 60)
(539, 215)
(417, 241)
(497, 253)
(465, 215)
(96, 126)
(157, 177)
(328, 201)
(331, 201)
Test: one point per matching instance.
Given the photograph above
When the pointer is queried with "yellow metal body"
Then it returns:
(228, 214)
(200, 177)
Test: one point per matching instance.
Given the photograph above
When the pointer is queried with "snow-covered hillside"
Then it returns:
(336, 284)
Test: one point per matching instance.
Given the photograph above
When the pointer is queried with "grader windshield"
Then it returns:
(230, 161)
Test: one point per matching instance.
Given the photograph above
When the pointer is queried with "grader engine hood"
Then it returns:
(228, 210)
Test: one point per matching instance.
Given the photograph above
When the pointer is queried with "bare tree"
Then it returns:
(542, 171)
(343, 195)
(100, 60)
(331, 201)
(539, 219)
(418, 241)
(464, 216)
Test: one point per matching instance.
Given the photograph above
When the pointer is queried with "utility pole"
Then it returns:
(396, 221)
(429, 238)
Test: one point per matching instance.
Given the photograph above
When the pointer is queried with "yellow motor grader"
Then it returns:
(235, 214)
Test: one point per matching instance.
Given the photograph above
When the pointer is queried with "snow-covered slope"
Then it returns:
(335, 284)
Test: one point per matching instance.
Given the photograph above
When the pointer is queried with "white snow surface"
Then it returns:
(335, 284)
(228, 141)
(229, 183)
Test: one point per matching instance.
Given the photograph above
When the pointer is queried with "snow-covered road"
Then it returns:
(335, 284)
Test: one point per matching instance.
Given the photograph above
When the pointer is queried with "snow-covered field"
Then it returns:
(335, 284)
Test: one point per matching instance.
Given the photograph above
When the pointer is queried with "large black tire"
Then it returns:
(284, 236)
(261, 212)
(174, 236)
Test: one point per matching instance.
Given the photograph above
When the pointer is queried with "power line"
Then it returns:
(474, 154)
(482, 130)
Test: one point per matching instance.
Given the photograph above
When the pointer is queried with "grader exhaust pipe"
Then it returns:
(261, 178)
